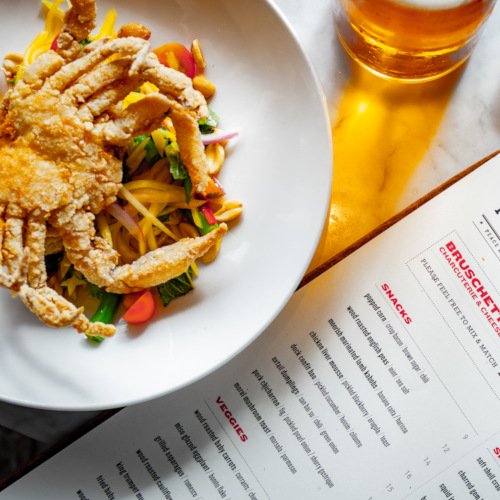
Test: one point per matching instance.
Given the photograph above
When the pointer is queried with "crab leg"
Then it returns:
(83, 325)
(145, 115)
(174, 83)
(140, 117)
(36, 232)
(75, 69)
(6, 280)
(89, 84)
(95, 258)
(12, 248)
(54, 310)
(164, 263)
(45, 66)
(49, 306)
(105, 98)
(191, 148)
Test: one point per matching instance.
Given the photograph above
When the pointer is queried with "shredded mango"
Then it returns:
(108, 26)
(145, 212)
(43, 41)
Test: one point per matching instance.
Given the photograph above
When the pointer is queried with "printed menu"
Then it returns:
(380, 379)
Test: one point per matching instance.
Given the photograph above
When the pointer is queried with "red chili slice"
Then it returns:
(209, 215)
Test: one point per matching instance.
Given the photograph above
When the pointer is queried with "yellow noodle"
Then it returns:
(137, 155)
(103, 226)
(145, 212)
(194, 203)
(173, 213)
(176, 231)
(153, 185)
(159, 171)
(229, 210)
(157, 196)
(151, 239)
(188, 230)
(124, 248)
(215, 154)
(194, 268)
(147, 226)
(173, 199)
(212, 253)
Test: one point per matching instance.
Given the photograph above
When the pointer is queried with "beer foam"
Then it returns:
(433, 4)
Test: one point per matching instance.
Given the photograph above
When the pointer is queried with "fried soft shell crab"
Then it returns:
(62, 139)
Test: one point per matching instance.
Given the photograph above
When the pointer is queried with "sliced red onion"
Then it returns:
(218, 136)
(120, 214)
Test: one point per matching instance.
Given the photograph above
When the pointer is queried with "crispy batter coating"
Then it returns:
(62, 136)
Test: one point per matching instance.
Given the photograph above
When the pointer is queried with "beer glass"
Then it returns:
(410, 40)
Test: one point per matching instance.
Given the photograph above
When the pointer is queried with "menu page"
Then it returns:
(380, 379)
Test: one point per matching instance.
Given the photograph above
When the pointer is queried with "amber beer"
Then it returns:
(410, 40)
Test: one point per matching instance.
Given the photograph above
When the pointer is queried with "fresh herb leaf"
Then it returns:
(188, 188)
(95, 291)
(85, 42)
(174, 288)
(207, 125)
(152, 155)
(178, 169)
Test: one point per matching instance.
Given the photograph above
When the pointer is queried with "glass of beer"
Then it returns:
(410, 40)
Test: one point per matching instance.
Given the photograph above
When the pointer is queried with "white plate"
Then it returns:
(280, 168)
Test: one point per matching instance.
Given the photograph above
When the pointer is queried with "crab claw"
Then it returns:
(98, 261)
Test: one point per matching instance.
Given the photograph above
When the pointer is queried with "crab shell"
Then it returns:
(62, 137)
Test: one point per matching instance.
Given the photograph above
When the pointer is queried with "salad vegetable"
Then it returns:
(142, 309)
(175, 287)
